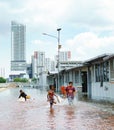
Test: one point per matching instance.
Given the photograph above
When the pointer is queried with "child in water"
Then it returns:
(23, 94)
(50, 96)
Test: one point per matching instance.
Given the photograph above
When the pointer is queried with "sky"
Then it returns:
(87, 28)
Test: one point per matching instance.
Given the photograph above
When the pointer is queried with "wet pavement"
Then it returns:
(34, 114)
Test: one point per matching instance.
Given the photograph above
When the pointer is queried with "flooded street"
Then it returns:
(35, 114)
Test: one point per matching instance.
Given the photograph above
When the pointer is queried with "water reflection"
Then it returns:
(70, 117)
(51, 123)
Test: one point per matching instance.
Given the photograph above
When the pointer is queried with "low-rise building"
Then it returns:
(95, 77)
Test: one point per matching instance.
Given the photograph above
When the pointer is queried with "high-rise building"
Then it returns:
(49, 64)
(38, 68)
(18, 59)
(53, 66)
(38, 63)
(63, 56)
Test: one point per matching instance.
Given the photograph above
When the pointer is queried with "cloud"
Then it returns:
(94, 15)
(49, 14)
(87, 25)
(88, 44)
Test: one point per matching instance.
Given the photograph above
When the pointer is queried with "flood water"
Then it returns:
(35, 114)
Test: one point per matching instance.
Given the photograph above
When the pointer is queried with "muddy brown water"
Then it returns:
(34, 114)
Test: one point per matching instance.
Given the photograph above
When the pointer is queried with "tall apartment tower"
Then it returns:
(64, 56)
(49, 64)
(38, 63)
(18, 60)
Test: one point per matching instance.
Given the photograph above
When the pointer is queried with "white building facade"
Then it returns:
(38, 68)
(18, 47)
(64, 55)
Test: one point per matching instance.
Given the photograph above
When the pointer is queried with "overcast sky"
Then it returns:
(87, 27)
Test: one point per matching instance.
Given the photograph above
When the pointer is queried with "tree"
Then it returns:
(2, 80)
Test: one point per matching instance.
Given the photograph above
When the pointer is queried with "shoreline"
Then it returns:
(2, 89)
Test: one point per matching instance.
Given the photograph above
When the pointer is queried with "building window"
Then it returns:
(67, 77)
(76, 76)
(106, 71)
(102, 72)
(97, 72)
(112, 69)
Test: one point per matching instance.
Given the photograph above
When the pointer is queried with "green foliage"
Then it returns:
(2, 80)
(24, 80)
(34, 80)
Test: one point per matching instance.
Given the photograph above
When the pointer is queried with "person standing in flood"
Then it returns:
(70, 93)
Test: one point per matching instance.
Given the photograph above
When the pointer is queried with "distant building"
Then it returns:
(29, 70)
(38, 68)
(49, 64)
(64, 56)
(2, 72)
(18, 48)
(70, 64)
(38, 63)
(18, 60)
(53, 66)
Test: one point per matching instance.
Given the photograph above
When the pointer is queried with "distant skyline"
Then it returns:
(87, 27)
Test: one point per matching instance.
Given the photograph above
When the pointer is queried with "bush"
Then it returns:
(24, 80)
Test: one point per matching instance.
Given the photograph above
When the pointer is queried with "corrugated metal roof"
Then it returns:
(100, 57)
(108, 57)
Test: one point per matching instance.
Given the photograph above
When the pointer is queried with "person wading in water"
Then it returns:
(50, 96)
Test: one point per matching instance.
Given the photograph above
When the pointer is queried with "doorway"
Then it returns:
(84, 81)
